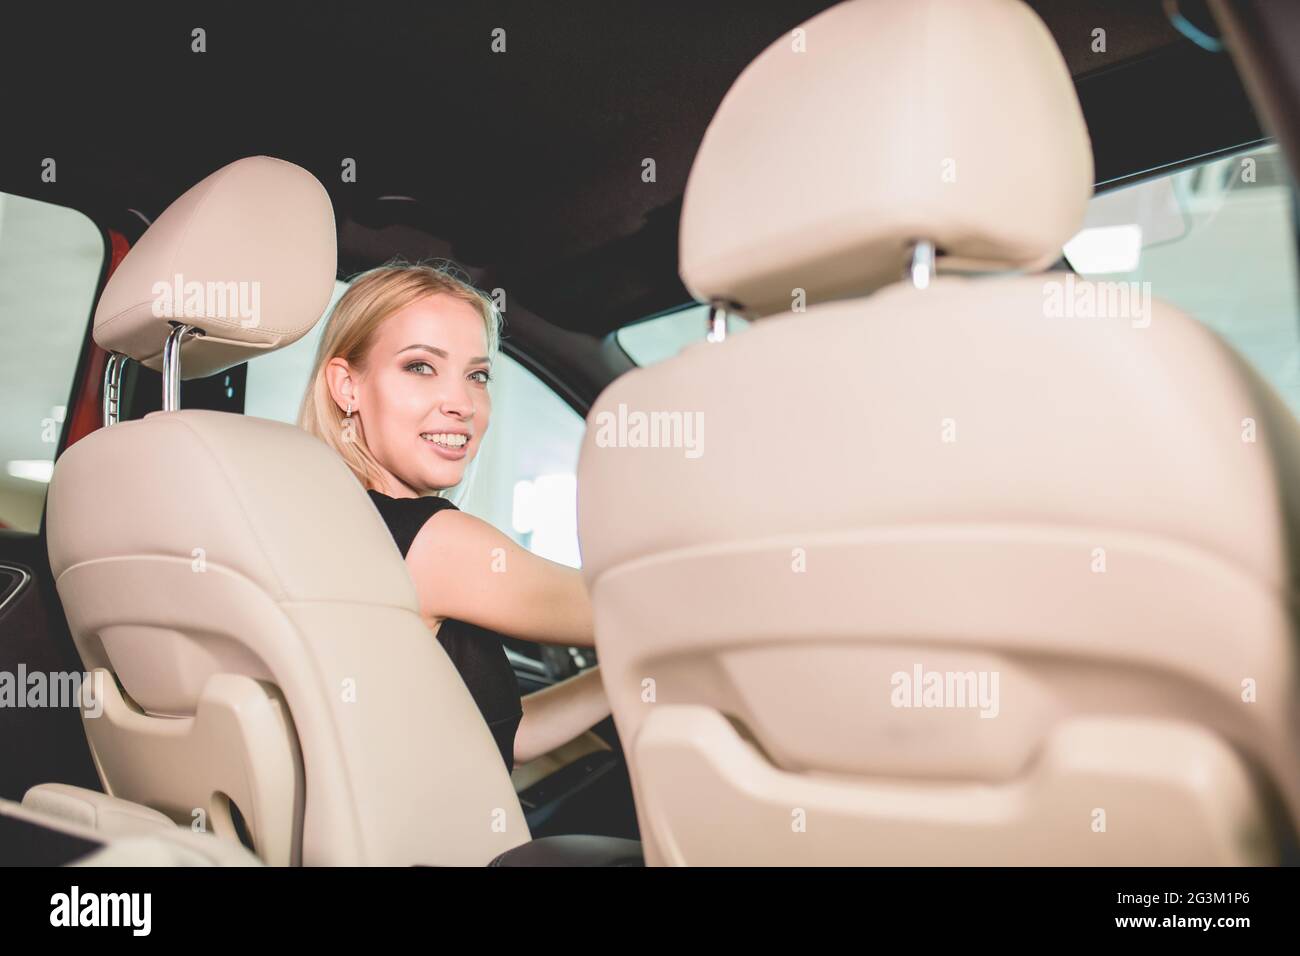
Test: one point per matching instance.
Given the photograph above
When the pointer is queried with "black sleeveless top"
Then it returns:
(476, 651)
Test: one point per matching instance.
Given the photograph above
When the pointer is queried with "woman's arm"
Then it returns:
(554, 716)
(466, 569)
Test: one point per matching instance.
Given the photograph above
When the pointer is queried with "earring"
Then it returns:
(349, 414)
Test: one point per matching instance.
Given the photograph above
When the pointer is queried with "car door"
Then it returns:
(52, 263)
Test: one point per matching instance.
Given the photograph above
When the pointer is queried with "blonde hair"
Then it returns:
(349, 334)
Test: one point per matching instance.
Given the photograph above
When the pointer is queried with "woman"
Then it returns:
(400, 391)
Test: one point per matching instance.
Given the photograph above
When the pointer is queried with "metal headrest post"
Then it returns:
(921, 269)
(717, 320)
(113, 387)
(172, 365)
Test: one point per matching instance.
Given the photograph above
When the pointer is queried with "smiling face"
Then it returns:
(421, 399)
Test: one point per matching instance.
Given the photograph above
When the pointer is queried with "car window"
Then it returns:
(524, 478)
(277, 381)
(50, 262)
(1217, 240)
(662, 336)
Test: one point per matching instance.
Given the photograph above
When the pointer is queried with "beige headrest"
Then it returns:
(248, 255)
(881, 123)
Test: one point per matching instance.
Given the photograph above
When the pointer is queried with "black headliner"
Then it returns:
(525, 166)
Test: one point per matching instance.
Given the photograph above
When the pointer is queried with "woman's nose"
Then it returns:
(457, 401)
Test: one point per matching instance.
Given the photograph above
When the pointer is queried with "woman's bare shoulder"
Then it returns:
(464, 568)
(458, 544)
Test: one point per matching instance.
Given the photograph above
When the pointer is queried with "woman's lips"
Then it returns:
(451, 454)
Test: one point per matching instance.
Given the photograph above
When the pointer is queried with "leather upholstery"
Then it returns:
(832, 541)
(256, 227)
(186, 546)
(948, 120)
(42, 835)
(1093, 519)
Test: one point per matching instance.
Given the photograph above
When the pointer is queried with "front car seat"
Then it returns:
(265, 670)
(947, 579)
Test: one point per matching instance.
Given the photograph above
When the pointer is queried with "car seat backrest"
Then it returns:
(263, 664)
(938, 575)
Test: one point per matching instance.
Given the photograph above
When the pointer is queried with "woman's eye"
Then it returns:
(487, 376)
(417, 366)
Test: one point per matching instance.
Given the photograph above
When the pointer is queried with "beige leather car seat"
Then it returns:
(254, 626)
(945, 577)
(69, 826)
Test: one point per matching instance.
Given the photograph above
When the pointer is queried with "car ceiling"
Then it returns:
(525, 166)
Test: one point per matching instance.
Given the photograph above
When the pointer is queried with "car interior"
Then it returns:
(864, 245)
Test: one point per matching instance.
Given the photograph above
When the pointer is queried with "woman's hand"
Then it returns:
(468, 570)
(554, 716)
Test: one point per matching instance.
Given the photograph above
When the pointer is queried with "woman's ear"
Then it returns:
(342, 384)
